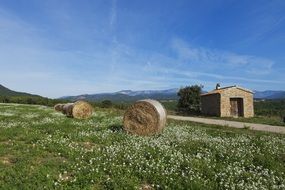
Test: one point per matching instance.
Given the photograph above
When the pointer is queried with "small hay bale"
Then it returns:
(58, 107)
(145, 117)
(79, 110)
(67, 109)
(82, 110)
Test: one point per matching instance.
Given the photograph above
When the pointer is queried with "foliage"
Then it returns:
(115, 105)
(42, 149)
(169, 104)
(122, 105)
(189, 99)
(106, 104)
(270, 107)
(36, 100)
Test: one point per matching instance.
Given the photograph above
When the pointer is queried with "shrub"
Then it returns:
(189, 99)
(106, 104)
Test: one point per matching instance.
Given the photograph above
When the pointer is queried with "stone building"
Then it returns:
(231, 101)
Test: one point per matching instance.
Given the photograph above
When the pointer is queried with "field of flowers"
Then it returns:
(42, 149)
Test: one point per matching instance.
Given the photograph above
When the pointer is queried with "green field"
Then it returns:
(42, 149)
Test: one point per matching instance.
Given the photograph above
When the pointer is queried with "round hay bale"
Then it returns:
(79, 110)
(67, 109)
(145, 117)
(82, 110)
(58, 107)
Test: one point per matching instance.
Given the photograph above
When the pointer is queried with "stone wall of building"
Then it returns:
(247, 97)
(210, 104)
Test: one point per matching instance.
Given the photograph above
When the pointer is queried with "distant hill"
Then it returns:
(128, 95)
(169, 94)
(269, 94)
(4, 91)
(11, 96)
(279, 95)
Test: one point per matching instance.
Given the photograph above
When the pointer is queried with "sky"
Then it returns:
(69, 47)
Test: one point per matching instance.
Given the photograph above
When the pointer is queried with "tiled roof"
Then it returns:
(218, 91)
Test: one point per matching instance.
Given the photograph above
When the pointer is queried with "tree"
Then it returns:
(6, 100)
(106, 104)
(189, 99)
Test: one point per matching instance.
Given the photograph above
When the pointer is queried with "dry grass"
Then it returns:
(146, 187)
(7, 160)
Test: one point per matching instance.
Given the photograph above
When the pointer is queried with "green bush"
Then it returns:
(189, 99)
(106, 104)
(36, 100)
(270, 108)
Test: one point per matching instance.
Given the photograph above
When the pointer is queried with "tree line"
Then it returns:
(37, 100)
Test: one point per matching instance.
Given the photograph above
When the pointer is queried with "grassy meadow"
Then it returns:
(42, 149)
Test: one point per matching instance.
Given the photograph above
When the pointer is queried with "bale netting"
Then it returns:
(58, 107)
(79, 110)
(145, 117)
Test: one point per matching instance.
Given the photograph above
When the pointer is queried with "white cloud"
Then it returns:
(219, 59)
(223, 77)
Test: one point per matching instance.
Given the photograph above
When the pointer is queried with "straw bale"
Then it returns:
(58, 107)
(145, 117)
(82, 110)
(79, 109)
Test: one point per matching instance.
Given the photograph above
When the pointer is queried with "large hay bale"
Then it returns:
(145, 117)
(58, 107)
(79, 110)
(82, 110)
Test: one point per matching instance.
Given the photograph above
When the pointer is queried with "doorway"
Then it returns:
(236, 107)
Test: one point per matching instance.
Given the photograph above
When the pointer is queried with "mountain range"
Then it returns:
(129, 95)
(170, 94)
(269, 94)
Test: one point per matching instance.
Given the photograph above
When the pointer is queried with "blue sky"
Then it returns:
(55, 48)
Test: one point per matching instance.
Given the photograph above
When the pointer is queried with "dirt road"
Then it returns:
(235, 124)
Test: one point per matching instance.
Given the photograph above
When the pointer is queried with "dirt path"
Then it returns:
(235, 124)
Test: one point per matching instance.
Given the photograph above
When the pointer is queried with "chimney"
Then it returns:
(218, 86)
